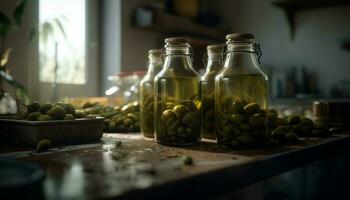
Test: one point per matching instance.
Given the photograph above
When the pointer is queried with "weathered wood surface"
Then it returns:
(140, 168)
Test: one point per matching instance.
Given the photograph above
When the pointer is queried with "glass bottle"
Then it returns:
(177, 96)
(147, 93)
(214, 65)
(241, 95)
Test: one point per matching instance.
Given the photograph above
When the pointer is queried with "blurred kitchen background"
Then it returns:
(94, 48)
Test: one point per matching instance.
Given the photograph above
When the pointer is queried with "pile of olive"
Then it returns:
(287, 130)
(147, 118)
(180, 124)
(208, 116)
(117, 119)
(242, 125)
(47, 111)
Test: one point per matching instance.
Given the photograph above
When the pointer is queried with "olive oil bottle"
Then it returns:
(177, 96)
(241, 95)
(147, 93)
(214, 65)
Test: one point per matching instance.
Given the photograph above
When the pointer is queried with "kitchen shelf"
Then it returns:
(290, 7)
(161, 22)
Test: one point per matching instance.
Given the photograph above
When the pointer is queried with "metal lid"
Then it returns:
(240, 36)
(177, 40)
(216, 47)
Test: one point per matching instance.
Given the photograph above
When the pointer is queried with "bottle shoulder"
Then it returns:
(171, 73)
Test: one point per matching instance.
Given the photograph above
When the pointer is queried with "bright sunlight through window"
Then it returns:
(62, 41)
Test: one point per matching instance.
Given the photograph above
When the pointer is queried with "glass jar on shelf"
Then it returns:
(177, 96)
(118, 94)
(213, 66)
(147, 93)
(241, 95)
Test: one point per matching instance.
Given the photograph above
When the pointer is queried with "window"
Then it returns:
(62, 41)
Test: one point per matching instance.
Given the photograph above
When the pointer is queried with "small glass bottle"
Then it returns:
(147, 93)
(214, 65)
(241, 95)
(177, 96)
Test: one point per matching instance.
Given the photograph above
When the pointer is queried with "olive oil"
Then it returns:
(248, 87)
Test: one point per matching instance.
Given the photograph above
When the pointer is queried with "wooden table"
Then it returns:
(140, 168)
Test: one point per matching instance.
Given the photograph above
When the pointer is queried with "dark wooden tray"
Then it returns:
(59, 132)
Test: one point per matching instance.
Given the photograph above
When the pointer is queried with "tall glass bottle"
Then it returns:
(147, 93)
(177, 96)
(214, 65)
(241, 95)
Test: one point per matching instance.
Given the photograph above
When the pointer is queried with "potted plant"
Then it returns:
(8, 104)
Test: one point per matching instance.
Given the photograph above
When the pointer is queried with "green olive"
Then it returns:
(257, 121)
(181, 130)
(179, 110)
(44, 118)
(43, 145)
(33, 116)
(237, 107)
(300, 130)
(237, 118)
(245, 127)
(292, 137)
(80, 114)
(127, 121)
(189, 118)
(251, 108)
(111, 125)
(57, 112)
(44, 107)
(69, 117)
(167, 114)
(293, 120)
(132, 116)
(246, 139)
(69, 108)
(33, 107)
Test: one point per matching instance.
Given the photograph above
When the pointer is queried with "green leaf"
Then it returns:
(5, 57)
(5, 24)
(21, 91)
(61, 28)
(46, 31)
(19, 10)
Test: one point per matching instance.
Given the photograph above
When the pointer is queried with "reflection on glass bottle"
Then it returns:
(214, 65)
(177, 98)
(147, 93)
(241, 95)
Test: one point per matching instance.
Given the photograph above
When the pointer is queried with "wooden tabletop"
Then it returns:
(140, 168)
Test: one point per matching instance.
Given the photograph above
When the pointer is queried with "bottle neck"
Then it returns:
(154, 64)
(178, 61)
(242, 56)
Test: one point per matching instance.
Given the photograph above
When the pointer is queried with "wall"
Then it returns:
(316, 43)
(135, 42)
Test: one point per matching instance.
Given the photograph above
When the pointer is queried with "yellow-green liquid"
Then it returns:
(147, 109)
(169, 93)
(250, 87)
